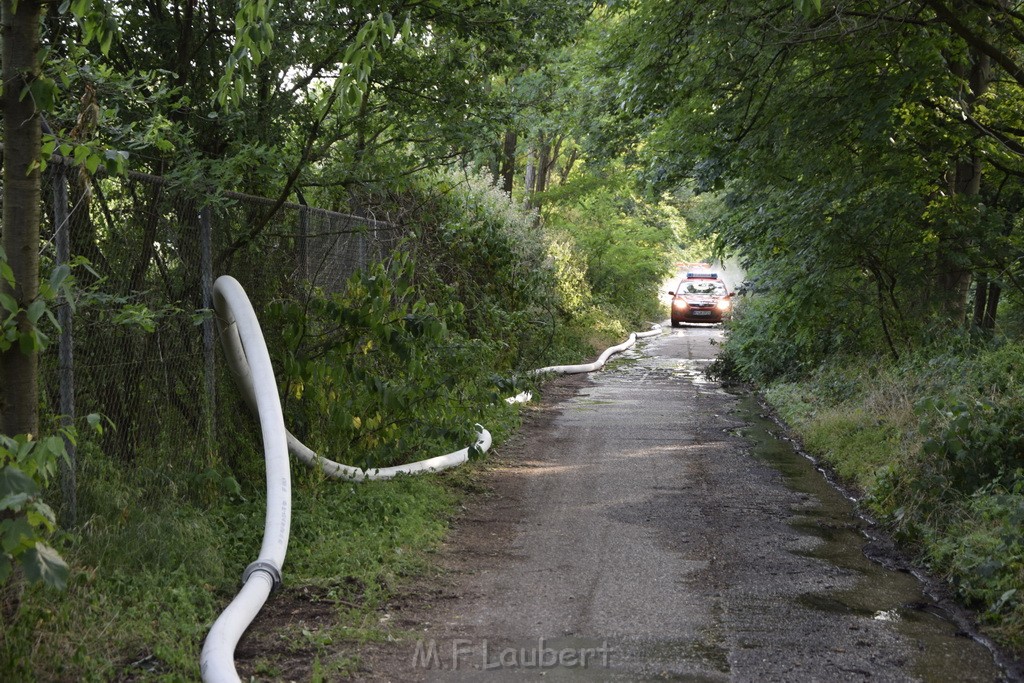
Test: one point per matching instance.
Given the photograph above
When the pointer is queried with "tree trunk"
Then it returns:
(567, 168)
(543, 166)
(980, 300)
(19, 388)
(508, 161)
(556, 151)
(989, 321)
(953, 276)
(150, 223)
(530, 183)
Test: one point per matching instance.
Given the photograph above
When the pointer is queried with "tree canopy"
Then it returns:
(868, 152)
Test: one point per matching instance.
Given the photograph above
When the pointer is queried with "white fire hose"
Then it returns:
(247, 355)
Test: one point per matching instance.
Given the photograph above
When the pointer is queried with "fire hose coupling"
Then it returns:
(263, 566)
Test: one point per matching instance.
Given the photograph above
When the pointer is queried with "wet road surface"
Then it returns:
(652, 529)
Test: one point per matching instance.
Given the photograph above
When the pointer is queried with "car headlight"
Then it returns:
(723, 305)
(679, 303)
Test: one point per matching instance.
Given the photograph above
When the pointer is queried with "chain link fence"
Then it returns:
(138, 344)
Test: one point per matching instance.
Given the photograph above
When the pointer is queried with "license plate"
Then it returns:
(702, 312)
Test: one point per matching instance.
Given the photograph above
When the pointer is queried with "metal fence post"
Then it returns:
(65, 350)
(303, 244)
(209, 369)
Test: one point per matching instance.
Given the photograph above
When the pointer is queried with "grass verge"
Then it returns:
(935, 444)
(152, 568)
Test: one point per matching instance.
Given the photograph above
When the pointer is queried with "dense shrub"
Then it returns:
(475, 247)
(785, 326)
(374, 376)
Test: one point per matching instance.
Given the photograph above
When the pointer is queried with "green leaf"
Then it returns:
(41, 515)
(17, 535)
(107, 39)
(49, 451)
(44, 92)
(8, 303)
(14, 501)
(32, 342)
(13, 481)
(43, 564)
(809, 8)
(53, 320)
(35, 311)
(95, 421)
(6, 272)
(80, 7)
(59, 275)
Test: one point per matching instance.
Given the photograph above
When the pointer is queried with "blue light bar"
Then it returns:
(702, 276)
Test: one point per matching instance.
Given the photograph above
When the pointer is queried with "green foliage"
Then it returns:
(348, 97)
(26, 331)
(622, 242)
(253, 39)
(96, 23)
(975, 443)
(783, 327)
(888, 203)
(152, 569)
(476, 247)
(983, 555)
(376, 373)
(809, 8)
(26, 467)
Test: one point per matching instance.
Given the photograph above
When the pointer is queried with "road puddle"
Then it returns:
(837, 535)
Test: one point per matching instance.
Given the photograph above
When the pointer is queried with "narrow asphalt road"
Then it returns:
(645, 529)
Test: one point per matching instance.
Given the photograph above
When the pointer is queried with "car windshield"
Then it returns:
(710, 287)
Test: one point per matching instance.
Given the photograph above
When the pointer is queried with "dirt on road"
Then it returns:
(641, 527)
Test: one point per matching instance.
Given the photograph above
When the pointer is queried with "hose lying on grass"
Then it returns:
(249, 360)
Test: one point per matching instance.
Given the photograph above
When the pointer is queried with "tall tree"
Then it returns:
(19, 390)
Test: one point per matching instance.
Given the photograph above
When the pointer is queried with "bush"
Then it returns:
(26, 522)
(982, 554)
(475, 247)
(374, 376)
